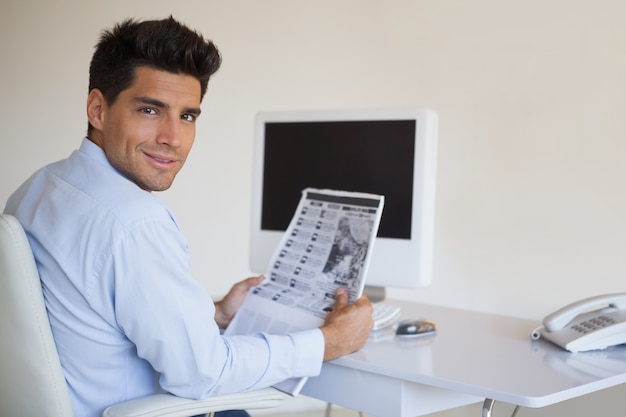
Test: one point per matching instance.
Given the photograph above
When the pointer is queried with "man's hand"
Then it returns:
(226, 308)
(347, 327)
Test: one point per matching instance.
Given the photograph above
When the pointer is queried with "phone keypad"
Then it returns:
(593, 324)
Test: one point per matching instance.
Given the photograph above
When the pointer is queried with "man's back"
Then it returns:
(75, 212)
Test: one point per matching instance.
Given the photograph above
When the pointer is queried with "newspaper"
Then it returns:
(327, 245)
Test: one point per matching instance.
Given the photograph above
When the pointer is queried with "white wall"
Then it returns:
(531, 97)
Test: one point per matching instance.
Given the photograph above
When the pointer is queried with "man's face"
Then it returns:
(148, 131)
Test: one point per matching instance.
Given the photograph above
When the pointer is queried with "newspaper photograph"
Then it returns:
(327, 245)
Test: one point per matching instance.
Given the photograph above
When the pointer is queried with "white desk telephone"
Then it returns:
(577, 329)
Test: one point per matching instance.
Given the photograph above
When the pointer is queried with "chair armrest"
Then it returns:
(167, 405)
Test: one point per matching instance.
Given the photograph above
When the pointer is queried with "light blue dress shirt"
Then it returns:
(127, 316)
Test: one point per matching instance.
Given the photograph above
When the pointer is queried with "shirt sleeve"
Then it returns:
(170, 318)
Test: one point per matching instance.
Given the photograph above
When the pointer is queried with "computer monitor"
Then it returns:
(382, 151)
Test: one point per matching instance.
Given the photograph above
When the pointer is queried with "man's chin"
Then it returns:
(155, 185)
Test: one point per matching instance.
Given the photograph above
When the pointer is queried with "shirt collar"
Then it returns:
(96, 153)
(93, 151)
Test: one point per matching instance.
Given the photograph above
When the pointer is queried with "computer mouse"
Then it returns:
(415, 327)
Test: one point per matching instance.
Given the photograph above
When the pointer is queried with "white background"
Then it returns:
(531, 96)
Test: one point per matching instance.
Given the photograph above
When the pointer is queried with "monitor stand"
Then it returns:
(375, 294)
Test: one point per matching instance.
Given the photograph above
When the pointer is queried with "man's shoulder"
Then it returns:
(79, 187)
(99, 181)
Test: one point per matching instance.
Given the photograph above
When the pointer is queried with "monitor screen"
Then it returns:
(390, 152)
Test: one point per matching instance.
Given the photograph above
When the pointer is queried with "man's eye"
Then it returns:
(148, 110)
(188, 117)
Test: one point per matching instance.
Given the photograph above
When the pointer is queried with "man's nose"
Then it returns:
(169, 131)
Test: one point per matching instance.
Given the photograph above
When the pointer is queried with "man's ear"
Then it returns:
(96, 108)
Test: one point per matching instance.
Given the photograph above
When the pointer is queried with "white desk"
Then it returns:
(473, 357)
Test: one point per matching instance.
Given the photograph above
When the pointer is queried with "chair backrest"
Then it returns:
(31, 378)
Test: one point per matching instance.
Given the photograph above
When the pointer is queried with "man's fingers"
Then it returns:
(341, 298)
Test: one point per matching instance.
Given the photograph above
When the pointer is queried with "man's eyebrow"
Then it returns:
(158, 103)
(152, 102)
(193, 110)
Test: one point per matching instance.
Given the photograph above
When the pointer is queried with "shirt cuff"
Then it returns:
(310, 347)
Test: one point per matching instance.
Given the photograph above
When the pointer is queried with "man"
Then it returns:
(127, 317)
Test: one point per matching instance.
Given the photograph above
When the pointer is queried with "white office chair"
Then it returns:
(31, 379)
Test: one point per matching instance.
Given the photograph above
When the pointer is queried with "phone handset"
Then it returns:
(565, 315)
(577, 327)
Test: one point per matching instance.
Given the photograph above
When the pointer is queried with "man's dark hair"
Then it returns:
(165, 45)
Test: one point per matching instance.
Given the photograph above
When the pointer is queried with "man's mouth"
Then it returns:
(161, 160)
